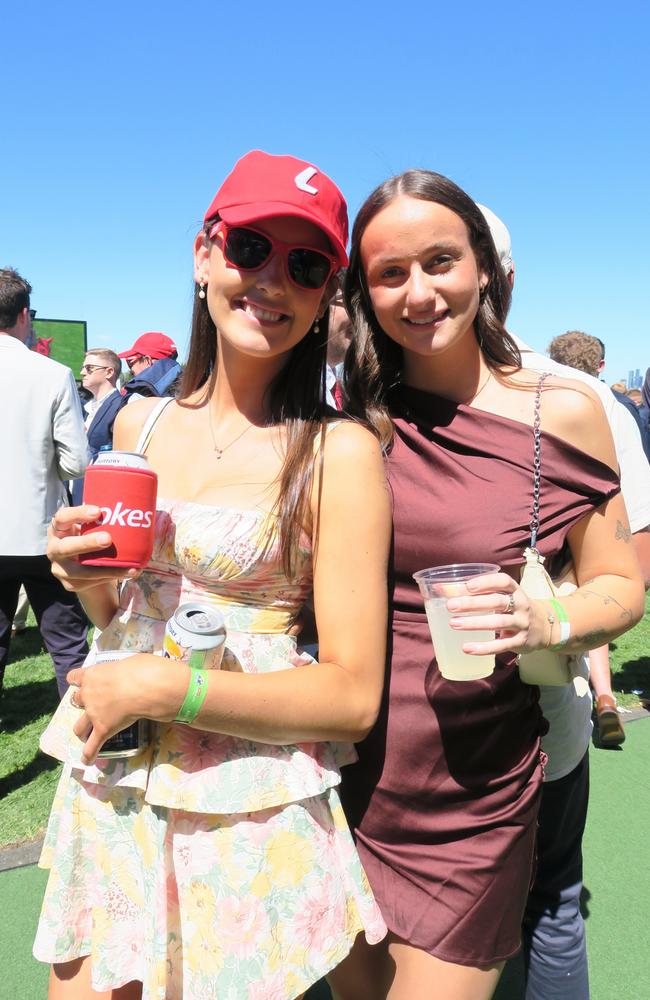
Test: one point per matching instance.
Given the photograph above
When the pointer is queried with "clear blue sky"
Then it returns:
(121, 119)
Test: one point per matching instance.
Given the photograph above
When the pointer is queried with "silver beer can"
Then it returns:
(196, 634)
(123, 459)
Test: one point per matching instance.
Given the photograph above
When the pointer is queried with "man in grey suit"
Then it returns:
(42, 444)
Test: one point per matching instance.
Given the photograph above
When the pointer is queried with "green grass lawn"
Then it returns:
(28, 777)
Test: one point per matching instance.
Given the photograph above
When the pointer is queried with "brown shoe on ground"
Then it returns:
(610, 728)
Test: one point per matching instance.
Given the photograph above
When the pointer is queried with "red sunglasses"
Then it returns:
(248, 250)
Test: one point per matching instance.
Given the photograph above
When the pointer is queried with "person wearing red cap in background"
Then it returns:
(218, 863)
(152, 362)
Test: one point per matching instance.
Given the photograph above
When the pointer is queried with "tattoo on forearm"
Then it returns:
(626, 614)
(592, 640)
(622, 533)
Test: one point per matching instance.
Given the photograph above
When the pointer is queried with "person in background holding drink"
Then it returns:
(218, 862)
(445, 795)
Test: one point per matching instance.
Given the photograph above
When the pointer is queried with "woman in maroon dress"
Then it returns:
(445, 796)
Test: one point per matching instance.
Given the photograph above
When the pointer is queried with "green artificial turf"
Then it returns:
(21, 892)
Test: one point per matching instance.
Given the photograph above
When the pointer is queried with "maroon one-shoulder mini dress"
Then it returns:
(444, 798)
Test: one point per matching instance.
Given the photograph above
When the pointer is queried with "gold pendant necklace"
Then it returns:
(219, 451)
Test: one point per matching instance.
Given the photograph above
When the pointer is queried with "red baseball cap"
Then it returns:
(152, 345)
(261, 185)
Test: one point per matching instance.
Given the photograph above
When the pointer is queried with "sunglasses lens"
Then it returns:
(308, 268)
(247, 249)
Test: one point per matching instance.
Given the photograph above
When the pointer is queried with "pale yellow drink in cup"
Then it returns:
(437, 585)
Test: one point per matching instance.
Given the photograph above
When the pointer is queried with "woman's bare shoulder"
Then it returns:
(130, 421)
(573, 411)
(570, 410)
(346, 439)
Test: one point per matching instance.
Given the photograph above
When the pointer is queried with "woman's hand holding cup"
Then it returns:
(496, 602)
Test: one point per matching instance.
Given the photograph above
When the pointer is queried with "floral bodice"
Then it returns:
(230, 558)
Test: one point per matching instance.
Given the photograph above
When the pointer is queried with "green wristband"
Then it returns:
(194, 697)
(559, 610)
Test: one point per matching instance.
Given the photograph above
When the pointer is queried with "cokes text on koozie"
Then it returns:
(124, 488)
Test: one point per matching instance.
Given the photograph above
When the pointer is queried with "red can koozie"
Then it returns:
(123, 486)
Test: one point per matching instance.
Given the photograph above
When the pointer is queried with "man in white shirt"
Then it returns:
(42, 443)
(553, 929)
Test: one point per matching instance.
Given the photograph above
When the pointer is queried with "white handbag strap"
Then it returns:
(537, 461)
(150, 423)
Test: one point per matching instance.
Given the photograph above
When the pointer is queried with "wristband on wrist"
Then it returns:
(564, 623)
(194, 696)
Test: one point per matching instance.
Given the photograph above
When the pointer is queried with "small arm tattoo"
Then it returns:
(623, 533)
(626, 614)
(592, 639)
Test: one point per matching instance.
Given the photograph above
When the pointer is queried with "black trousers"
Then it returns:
(555, 951)
(61, 619)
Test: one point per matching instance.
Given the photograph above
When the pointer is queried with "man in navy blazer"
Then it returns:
(43, 444)
(99, 374)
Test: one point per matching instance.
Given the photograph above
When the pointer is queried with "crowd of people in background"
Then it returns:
(389, 380)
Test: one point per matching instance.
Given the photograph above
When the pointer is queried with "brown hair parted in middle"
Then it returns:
(374, 361)
(295, 399)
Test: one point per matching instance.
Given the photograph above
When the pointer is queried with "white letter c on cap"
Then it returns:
(302, 180)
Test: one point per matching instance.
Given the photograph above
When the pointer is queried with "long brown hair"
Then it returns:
(295, 398)
(373, 362)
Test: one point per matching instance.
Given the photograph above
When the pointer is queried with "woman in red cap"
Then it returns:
(445, 796)
(217, 863)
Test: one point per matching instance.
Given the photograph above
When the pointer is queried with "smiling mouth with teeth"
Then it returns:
(428, 321)
(262, 315)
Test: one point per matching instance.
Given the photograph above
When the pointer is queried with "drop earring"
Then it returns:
(201, 290)
(316, 327)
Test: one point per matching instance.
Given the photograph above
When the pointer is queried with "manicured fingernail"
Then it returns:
(104, 538)
(453, 606)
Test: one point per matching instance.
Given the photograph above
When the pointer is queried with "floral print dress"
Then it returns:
(207, 866)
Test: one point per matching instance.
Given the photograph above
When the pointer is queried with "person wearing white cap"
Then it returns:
(553, 930)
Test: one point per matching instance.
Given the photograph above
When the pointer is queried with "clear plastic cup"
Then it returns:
(437, 585)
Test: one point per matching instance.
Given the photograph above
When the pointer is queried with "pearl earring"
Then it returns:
(316, 327)
(201, 290)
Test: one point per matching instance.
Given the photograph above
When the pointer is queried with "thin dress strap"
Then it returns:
(150, 423)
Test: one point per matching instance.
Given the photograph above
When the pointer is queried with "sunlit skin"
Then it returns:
(424, 283)
(261, 313)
